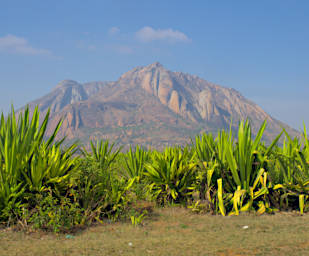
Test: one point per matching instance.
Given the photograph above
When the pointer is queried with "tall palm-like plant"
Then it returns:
(246, 162)
(102, 153)
(171, 175)
(234, 172)
(134, 161)
(100, 189)
(211, 156)
(291, 172)
(28, 162)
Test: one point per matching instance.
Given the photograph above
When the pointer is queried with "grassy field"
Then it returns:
(173, 231)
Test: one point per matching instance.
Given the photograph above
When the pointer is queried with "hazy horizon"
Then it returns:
(258, 48)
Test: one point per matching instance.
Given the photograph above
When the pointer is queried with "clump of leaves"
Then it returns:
(171, 175)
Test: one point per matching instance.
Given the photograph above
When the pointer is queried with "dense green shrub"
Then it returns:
(48, 186)
(28, 163)
(171, 175)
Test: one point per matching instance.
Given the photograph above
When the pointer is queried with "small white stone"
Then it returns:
(130, 244)
(245, 227)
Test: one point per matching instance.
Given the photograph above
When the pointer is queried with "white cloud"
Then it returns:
(113, 31)
(19, 45)
(148, 34)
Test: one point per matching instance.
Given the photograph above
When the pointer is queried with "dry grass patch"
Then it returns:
(173, 231)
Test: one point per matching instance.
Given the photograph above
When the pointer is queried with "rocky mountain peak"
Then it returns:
(66, 83)
(150, 105)
(154, 65)
(137, 73)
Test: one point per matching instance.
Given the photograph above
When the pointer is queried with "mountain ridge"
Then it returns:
(150, 105)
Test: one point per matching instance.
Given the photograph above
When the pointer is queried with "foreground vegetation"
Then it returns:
(46, 186)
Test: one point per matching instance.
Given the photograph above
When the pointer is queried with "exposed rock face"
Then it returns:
(150, 106)
(65, 93)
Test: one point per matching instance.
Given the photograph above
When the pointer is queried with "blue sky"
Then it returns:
(260, 48)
